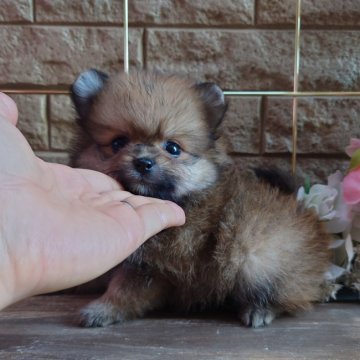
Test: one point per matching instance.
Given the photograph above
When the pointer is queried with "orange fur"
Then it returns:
(243, 241)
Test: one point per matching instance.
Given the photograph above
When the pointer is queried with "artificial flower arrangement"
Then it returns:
(338, 205)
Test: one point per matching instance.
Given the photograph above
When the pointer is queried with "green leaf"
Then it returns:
(355, 160)
(307, 185)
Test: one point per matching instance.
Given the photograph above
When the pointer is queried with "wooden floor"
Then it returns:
(44, 327)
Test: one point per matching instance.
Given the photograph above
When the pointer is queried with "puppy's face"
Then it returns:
(153, 133)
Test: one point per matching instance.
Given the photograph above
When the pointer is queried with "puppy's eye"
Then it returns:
(173, 148)
(119, 143)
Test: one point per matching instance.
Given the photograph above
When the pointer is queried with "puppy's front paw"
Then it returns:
(256, 317)
(99, 313)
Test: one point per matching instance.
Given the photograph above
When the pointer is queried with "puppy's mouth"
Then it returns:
(161, 186)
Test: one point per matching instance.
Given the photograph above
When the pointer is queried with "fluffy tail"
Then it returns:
(276, 178)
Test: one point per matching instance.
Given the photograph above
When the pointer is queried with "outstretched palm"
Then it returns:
(61, 226)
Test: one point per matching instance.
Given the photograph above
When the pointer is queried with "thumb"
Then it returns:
(8, 109)
(159, 216)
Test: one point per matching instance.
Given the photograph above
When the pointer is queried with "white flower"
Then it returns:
(327, 201)
(342, 220)
(334, 272)
(321, 198)
(344, 251)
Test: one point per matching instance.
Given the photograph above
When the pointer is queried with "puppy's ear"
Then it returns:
(85, 88)
(214, 102)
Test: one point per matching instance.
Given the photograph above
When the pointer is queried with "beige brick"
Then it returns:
(69, 11)
(276, 12)
(62, 120)
(32, 119)
(243, 59)
(172, 12)
(259, 60)
(56, 55)
(325, 125)
(330, 60)
(241, 125)
(314, 12)
(16, 11)
(54, 157)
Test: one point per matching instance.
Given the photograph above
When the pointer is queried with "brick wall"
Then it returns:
(241, 44)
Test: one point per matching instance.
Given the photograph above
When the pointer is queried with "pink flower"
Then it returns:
(354, 145)
(351, 187)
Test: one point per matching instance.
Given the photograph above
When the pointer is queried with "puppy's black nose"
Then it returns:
(143, 165)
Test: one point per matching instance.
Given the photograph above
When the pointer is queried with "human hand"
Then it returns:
(60, 227)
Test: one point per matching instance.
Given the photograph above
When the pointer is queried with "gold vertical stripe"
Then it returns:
(296, 84)
(126, 36)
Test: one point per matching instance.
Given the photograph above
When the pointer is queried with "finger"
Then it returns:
(105, 198)
(99, 182)
(112, 203)
(159, 216)
(116, 196)
(8, 109)
(137, 200)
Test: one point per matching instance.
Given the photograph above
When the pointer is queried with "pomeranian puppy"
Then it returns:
(244, 242)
